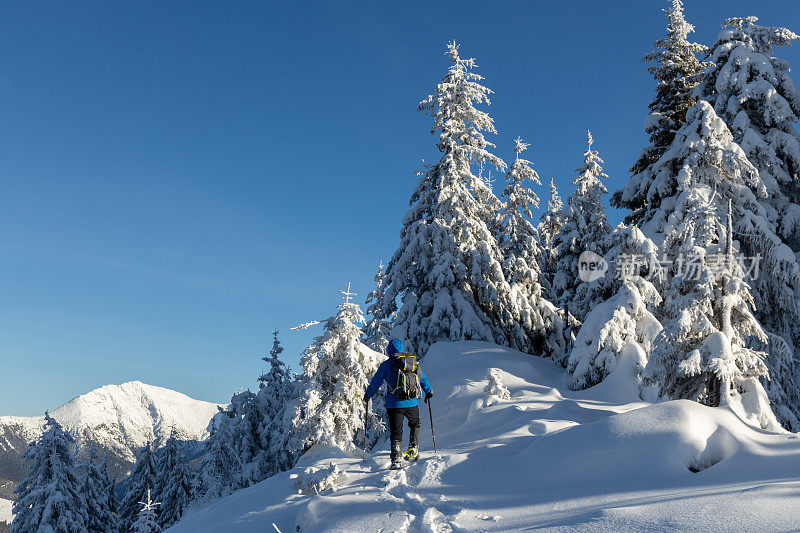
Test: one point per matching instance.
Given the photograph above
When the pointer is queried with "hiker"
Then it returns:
(404, 378)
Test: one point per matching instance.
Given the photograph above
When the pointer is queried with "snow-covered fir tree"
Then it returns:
(276, 372)
(536, 327)
(551, 219)
(702, 354)
(704, 153)
(677, 70)
(620, 326)
(549, 224)
(447, 269)
(336, 370)
(146, 519)
(378, 330)
(276, 398)
(584, 227)
(47, 499)
(753, 92)
(97, 491)
(219, 472)
(174, 482)
(142, 478)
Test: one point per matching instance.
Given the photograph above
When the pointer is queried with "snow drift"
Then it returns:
(545, 458)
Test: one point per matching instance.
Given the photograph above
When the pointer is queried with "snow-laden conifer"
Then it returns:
(336, 370)
(97, 490)
(753, 92)
(549, 224)
(447, 269)
(702, 353)
(677, 70)
(276, 398)
(141, 479)
(620, 325)
(584, 228)
(704, 152)
(378, 330)
(146, 519)
(48, 499)
(220, 469)
(175, 488)
(534, 326)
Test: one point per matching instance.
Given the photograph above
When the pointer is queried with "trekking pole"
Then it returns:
(430, 413)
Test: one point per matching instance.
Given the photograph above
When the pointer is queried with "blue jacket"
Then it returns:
(386, 374)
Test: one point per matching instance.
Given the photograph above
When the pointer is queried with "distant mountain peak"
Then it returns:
(116, 419)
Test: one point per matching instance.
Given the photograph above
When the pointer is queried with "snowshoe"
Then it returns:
(396, 465)
(411, 455)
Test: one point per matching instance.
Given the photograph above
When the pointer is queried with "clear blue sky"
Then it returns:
(178, 178)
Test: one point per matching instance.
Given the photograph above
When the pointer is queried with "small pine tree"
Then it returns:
(278, 391)
(274, 355)
(337, 368)
(378, 330)
(97, 490)
(146, 519)
(674, 65)
(447, 270)
(620, 321)
(47, 499)
(142, 477)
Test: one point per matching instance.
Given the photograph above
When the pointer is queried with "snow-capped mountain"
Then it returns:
(116, 419)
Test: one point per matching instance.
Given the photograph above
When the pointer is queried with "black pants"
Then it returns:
(396, 416)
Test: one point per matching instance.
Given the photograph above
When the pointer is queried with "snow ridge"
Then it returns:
(547, 458)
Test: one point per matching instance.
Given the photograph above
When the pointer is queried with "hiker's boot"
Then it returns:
(396, 455)
(412, 454)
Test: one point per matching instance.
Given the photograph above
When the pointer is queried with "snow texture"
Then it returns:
(548, 459)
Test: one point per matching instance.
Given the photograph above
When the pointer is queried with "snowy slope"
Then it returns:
(117, 419)
(547, 459)
(5, 511)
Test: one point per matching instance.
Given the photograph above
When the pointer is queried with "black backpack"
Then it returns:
(406, 368)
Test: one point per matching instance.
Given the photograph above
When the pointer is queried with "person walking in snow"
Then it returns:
(404, 380)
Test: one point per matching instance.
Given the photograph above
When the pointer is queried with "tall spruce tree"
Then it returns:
(548, 227)
(677, 70)
(378, 330)
(48, 498)
(753, 92)
(447, 269)
(536, 325)
(97, 490)
(142, 478)
(585, 227)
(336, 370)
